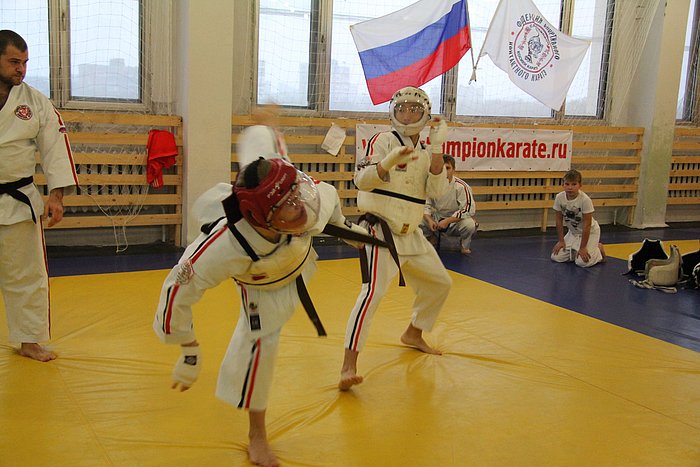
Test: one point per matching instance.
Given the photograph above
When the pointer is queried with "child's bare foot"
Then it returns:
(259, 453)
(415, 339)
(36, 352)
(348, 379)
(602, 252)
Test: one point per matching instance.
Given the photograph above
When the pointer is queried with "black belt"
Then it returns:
(393, 194)
(12, 189)
(304, 296)
(389, 239)
(308, 305)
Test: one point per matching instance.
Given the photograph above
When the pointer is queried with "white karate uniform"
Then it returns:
(246, 372)
(29, 122)
(420, 264)
(458, 202)
(572, 211)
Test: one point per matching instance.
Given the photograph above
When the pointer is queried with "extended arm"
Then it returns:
(586, 233)
(560, 233)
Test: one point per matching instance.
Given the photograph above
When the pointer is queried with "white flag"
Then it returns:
(539, 59)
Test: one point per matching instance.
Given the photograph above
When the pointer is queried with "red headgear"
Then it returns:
(258, 203)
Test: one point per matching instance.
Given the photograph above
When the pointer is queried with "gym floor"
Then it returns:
(544, 364)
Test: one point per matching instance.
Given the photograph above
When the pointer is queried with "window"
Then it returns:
(307, 59)
(92, 58)
(292, 66)
(591, 21)
(348, 90)
(105, 58)
(30, 19)
(493, 93)
(284, 52)
(688, 84)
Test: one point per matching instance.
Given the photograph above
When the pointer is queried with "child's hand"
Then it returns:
(438, 133)
(397, 156)
(443, 224)
(557, 247)
(583, 253)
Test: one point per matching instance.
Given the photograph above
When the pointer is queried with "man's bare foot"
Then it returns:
(36, 352)
(259, 453)
(348, 379)
(602, 252)
(466, 251)
(413, 337)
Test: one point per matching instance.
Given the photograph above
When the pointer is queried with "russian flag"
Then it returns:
(411, 46)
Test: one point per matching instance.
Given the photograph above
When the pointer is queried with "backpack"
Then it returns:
(662, 274)
(689, 261)
(694, 278)
(650, 249)
(690, 266)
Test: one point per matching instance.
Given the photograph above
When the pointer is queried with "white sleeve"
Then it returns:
(207, 262)
(471, 202)
(462, 197)
(557, 203)
(587, 205)
(54, 148)
(437, 185)
(366, 177)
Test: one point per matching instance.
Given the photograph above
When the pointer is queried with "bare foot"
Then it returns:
(36, 352)
(412, 340)
(602, 252)
(259, 453)
(348, 379)
(466, 251)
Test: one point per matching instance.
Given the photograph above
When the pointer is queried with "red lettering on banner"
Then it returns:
(561, 148)
(486, 149)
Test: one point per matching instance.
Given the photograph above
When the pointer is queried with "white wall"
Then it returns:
(204, 72)
(651, 100)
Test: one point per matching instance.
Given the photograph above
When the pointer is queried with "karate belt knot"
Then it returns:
(12, 189)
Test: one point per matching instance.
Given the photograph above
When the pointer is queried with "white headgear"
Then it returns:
(409, 95)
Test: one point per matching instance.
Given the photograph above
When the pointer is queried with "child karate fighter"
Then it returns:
(264, 242)
(394, 179)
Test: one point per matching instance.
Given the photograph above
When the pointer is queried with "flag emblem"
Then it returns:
(539, 59)
(411, 46)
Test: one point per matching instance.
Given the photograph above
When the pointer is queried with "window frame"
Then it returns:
(60, 63)
(691, 103)
(320, 72)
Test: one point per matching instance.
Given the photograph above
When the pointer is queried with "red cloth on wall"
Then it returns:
(162, 150)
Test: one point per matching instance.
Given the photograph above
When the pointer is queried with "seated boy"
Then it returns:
(453, 213)
(575, 210)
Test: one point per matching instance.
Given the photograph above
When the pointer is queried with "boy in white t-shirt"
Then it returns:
(574, 209)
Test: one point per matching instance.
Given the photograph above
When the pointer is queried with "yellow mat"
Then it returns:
(521, 383)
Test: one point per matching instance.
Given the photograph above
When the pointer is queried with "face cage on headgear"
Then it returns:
(409, 95)
(282, 184)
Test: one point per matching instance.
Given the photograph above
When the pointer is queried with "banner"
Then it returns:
(411, 46)
(539, 59)
(498, 149)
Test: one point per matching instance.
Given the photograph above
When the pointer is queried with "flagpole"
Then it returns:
(473, 77)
